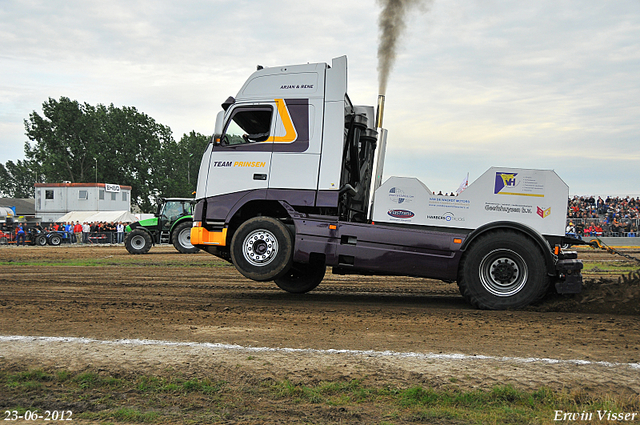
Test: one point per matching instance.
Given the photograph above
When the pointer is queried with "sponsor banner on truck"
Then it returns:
(537, 198)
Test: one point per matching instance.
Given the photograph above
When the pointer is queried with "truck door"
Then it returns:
(296, 154)
(242, 159)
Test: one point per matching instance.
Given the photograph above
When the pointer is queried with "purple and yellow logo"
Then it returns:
(505, 180)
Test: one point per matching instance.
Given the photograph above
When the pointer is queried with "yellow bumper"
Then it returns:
(201, 236)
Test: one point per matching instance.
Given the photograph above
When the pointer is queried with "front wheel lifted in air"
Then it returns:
(262, 248)
(138, 241)
(181, 238)
(301, 278)
(503, 270)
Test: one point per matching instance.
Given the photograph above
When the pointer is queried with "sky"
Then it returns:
(550, 84)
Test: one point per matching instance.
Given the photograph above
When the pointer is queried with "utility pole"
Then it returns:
(97, 190)
(189, 170)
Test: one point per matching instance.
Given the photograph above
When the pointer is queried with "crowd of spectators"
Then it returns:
(98, 231)
(612, 216)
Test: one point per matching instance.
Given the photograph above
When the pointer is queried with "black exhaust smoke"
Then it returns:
(392, 25)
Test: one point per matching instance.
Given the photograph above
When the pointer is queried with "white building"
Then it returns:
(53, 200)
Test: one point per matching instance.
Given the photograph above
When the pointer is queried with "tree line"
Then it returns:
(81, 143)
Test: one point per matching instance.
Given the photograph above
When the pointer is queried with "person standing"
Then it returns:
(20, 235)
(86, 229)
(77, 229)
(120, 229)
(68, 228)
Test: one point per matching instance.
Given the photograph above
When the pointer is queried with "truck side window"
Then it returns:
(248, 125)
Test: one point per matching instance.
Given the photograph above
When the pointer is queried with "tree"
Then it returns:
(190, 150)
(134, 152)
(192, 147)
(81, 143)
(180, 164)
(17, 179)
(67, 139)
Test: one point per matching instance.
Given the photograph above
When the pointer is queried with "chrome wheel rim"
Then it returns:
(503, 272)
(260, 247)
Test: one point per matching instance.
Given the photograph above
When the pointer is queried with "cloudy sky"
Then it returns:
(549, 84)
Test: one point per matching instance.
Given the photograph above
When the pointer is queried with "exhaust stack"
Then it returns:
(380, 112)
(382, 150)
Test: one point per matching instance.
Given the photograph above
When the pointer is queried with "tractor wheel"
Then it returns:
(503, 270)
(55, 240)
(4, 240)
(41, 240)
(138, 241)
(262, 249)
(181, 238)
(301, 278)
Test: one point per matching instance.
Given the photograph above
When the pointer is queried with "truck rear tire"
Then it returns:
(503, 270)
(138, 241)
(301, 278)
(262, 249)
(181, 238)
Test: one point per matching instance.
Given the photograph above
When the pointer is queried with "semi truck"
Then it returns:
(291, 183)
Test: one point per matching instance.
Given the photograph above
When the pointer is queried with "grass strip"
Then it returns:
(105, 398)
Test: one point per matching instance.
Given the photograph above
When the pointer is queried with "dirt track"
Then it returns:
(166, 296)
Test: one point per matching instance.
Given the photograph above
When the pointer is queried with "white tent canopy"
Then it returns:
(91, 216)
(6, 212)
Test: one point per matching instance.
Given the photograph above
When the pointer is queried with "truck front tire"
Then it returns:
(503, 270)
(138, 241)
(301, 278)
(262, 249)
(181, 238)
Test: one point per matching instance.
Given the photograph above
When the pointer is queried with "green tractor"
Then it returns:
(171, 224)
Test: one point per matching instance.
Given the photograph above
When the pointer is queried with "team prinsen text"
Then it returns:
(239, 164)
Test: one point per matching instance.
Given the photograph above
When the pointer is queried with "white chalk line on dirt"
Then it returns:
(366, 353)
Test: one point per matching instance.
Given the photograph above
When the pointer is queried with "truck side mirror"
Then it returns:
(217, 134)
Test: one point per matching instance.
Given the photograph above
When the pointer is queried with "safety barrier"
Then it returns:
(628, 229)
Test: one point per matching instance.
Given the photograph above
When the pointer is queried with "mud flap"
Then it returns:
(569, 274)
